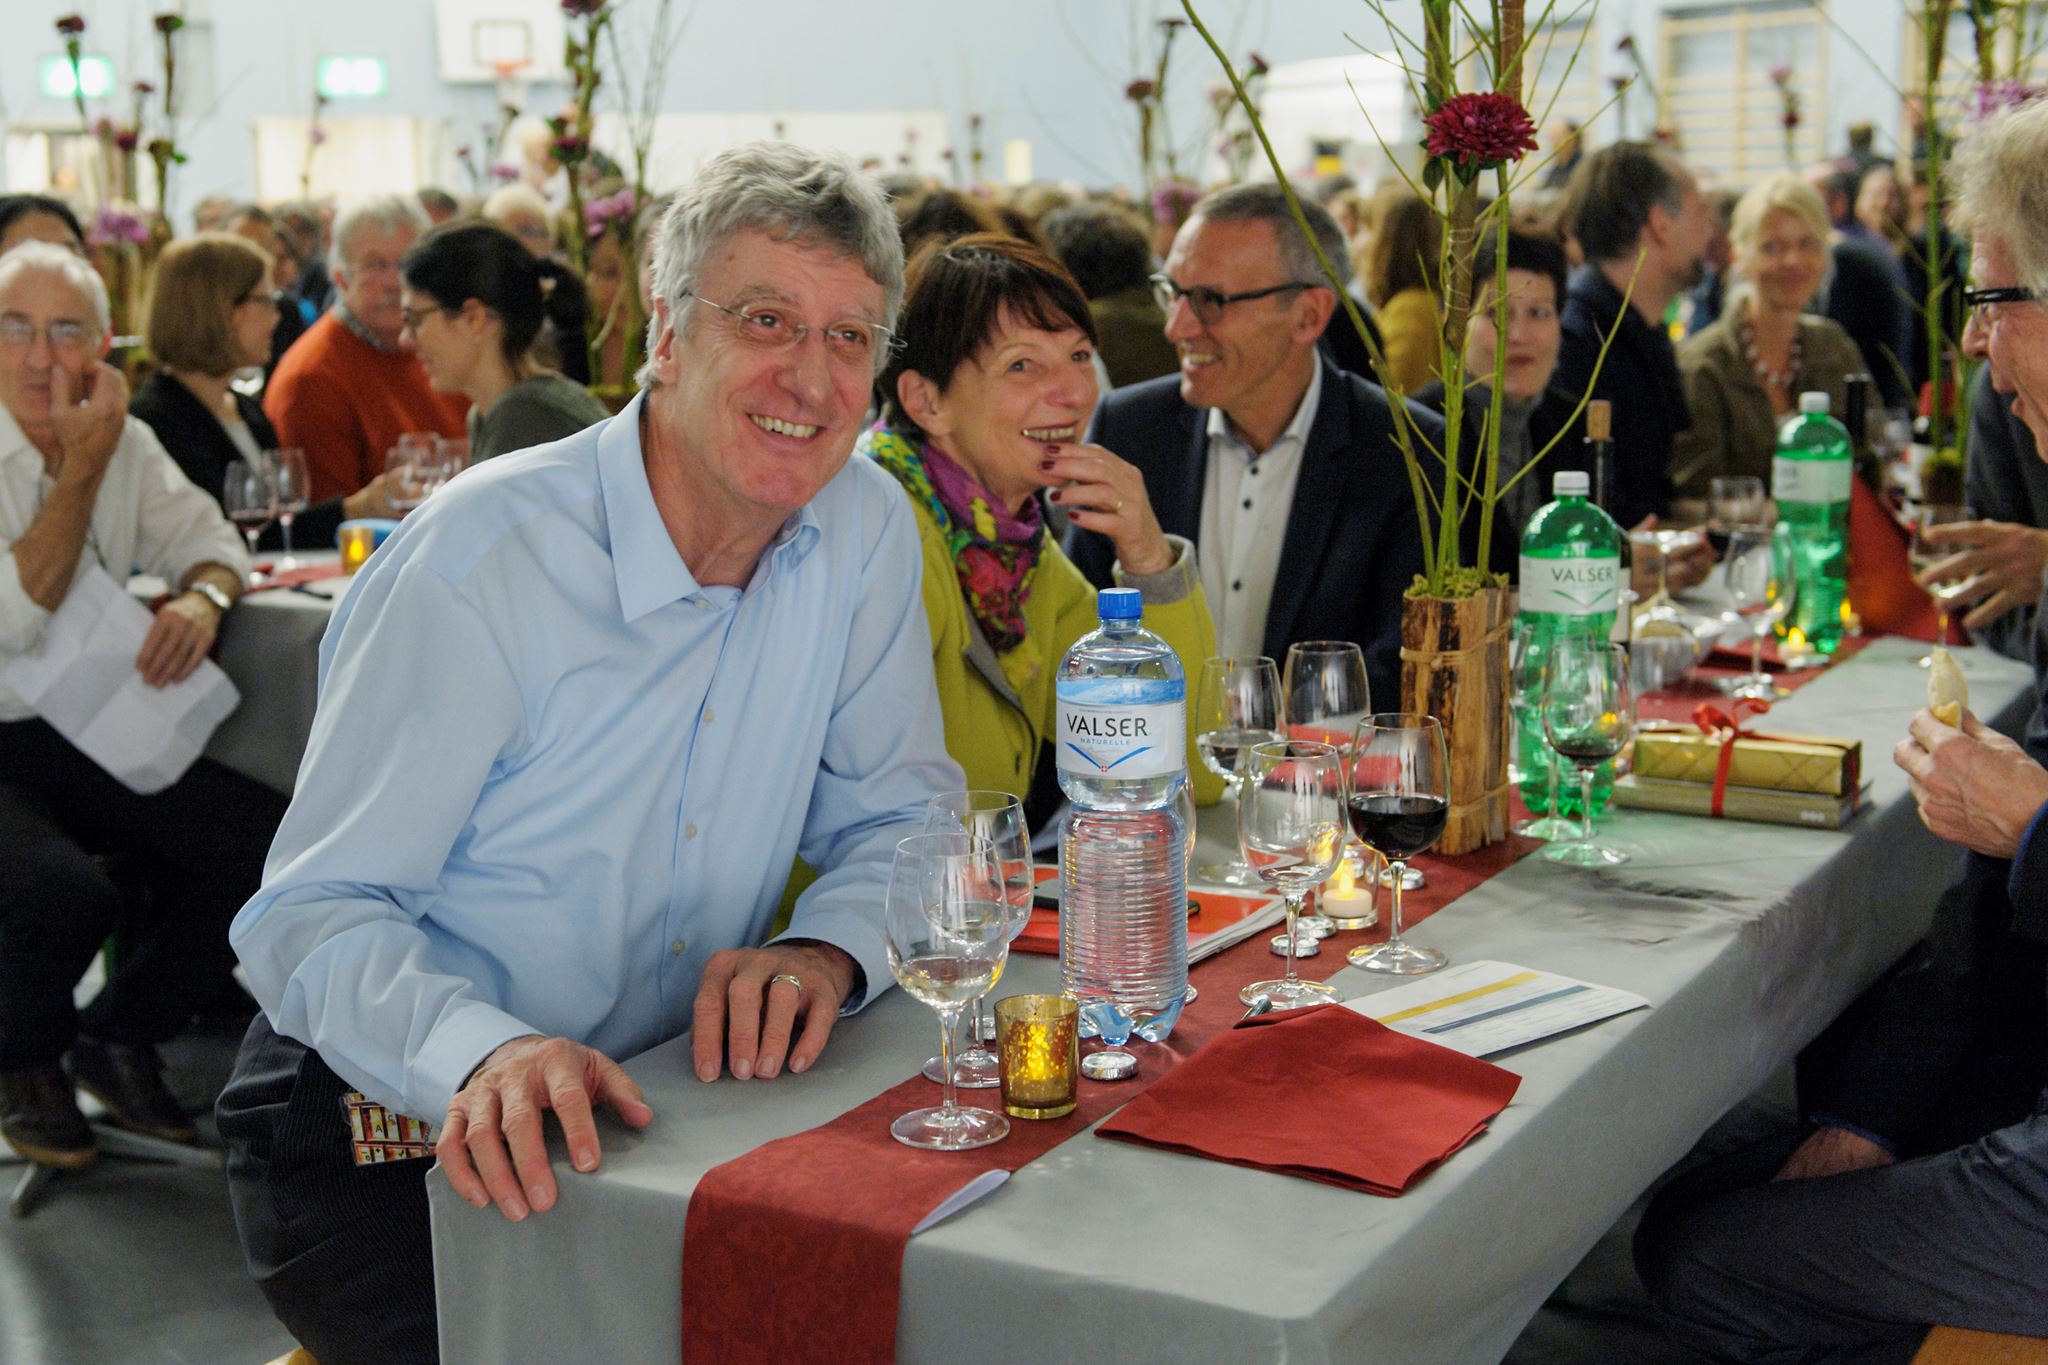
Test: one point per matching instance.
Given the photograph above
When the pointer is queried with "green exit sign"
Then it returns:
(94, 78)
(350, 78)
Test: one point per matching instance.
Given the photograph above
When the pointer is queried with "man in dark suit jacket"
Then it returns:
(1279, 466)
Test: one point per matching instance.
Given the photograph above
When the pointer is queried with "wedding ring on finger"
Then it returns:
(791, 977)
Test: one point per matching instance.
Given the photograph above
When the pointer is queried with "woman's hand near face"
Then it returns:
(1100, 492)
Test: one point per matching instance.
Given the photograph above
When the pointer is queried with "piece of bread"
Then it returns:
(1948, 695)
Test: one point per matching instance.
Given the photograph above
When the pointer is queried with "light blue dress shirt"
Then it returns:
(551, 774)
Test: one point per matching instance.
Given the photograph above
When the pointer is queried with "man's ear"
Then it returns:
(920, 400)
(1312, 312)
(662, 359)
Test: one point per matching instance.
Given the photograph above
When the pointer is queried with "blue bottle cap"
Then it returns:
(1120, 604)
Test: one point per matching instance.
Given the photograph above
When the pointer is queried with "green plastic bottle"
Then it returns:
(1810, 479)
(1570, 585)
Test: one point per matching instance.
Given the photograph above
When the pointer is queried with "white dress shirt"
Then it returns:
(1246, 498)
(148, 518)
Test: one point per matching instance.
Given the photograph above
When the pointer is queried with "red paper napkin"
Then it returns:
(305, 573)
(1324, 1093)
(1219, 911)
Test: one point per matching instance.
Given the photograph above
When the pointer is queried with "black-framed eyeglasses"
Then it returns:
(1983, 298)
(850, 341)
(1209, 303)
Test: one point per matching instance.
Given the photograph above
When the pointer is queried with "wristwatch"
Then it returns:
(212, 593)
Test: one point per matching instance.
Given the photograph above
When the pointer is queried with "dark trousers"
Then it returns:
(1853, 1267)
(341, 1251)
(198, 846)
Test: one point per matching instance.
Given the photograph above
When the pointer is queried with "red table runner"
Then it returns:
(291, 578)
(795, 1250)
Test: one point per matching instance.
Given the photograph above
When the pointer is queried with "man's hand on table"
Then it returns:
(1975, 787)
(500, 1109)
(178, 639)
(1832, 1151)
(2005, 562)
(740, 990)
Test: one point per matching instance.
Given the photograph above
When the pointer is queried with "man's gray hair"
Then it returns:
(793, 194)
(1264, 201)
(383, 212)
(2001, 188)
(59, 260)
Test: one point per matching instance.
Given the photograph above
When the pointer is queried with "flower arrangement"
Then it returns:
(315, 135)
(974, 148)
(1788, 112)
(1234, 142)
(1158, 158)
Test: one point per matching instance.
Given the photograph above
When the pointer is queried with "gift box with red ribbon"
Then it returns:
(1722, 750)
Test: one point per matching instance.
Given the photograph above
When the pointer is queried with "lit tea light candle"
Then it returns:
(1346, 902)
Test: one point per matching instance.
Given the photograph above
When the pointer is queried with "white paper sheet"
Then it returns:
(1480, 1008)
(85, 684)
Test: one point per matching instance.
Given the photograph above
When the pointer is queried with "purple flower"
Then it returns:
(1140, 90)
(144, 88)
(127, 139)
(1781, 74)
(1998, 96)
(581, 9)
(71, 25)
(113, 226)
(316, 135)
(1171, 202)
(1259, 66)
(608, 210)
(1627, 43)
(504, 175)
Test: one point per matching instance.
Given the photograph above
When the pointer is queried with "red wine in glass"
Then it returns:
(1398, 826)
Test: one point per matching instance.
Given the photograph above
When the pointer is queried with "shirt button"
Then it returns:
(1252, 470)
(689, 831)
(707, 715)
(1237, 585)
(1247, 504)
(676, 949)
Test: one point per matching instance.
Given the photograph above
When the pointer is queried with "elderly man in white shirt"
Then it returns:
(83, 486)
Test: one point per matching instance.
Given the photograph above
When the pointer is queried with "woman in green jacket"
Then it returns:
(984, 403)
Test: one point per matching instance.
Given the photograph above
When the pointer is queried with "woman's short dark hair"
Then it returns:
(954, 299)
(464, 260)
(15, 207)
(942, 214)
(1526, 251)
(1103, 246)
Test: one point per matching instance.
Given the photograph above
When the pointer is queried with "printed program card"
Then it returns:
(1480, 1008)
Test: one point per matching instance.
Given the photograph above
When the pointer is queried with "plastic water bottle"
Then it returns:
(1810, 482)
(1121, 736)
(1570, 585)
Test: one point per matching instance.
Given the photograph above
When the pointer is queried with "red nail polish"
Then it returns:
(1053, 496)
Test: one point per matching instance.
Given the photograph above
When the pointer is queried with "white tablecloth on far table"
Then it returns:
(1746, 939)
(270, 647)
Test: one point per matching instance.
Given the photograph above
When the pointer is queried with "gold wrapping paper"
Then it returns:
(1820, 764)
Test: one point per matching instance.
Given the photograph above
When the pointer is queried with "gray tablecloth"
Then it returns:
(270, 647)
(1746, 939)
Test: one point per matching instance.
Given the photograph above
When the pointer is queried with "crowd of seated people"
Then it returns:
(936, 421)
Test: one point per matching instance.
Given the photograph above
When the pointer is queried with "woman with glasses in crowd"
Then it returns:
(475, 304)
(211, 313)
(985, 402)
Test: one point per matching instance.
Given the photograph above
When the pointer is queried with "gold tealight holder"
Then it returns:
(1039, 1043)
(356, 539)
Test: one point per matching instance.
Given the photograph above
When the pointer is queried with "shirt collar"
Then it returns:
(1297, 426)
(14, 442)
(647, 571)
(362, 333)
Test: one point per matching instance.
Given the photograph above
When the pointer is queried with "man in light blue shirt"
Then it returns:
(577, 718)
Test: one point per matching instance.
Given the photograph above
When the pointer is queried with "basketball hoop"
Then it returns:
(511, 89)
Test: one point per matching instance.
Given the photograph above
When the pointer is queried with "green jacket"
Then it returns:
(999, 709)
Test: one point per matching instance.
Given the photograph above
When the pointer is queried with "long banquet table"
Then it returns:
(1745, 938)
(270, 648)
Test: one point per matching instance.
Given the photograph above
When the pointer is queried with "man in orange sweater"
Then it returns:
(348, 389)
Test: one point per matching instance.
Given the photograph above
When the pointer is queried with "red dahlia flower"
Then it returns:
(1480, 130)
(71, 25)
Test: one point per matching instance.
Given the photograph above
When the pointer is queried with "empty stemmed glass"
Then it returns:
(1734, 500)
(948, 935)
(1326, 692)
(1398, 799)
(248, 495)
(1291, 825)
(1237, 706)
(1589, 712)
(288, 468)
(1762, 581)
(1525, 678)
(1664, 540)
(997, 817)
(1925, 554)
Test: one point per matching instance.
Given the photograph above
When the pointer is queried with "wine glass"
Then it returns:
(1589, 712)
(1925, 555)
(1326, 693)
(249, 496)
(1398, 799)
(1734, 500)
(1762, 582)
(407, 480)
(997, 817)
(1291, 824)
(948, 935)
(1236, 706)
(288, 468)
(1665, 540)
(1525, 677)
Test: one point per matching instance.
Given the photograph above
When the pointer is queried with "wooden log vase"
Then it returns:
(1454, 666)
